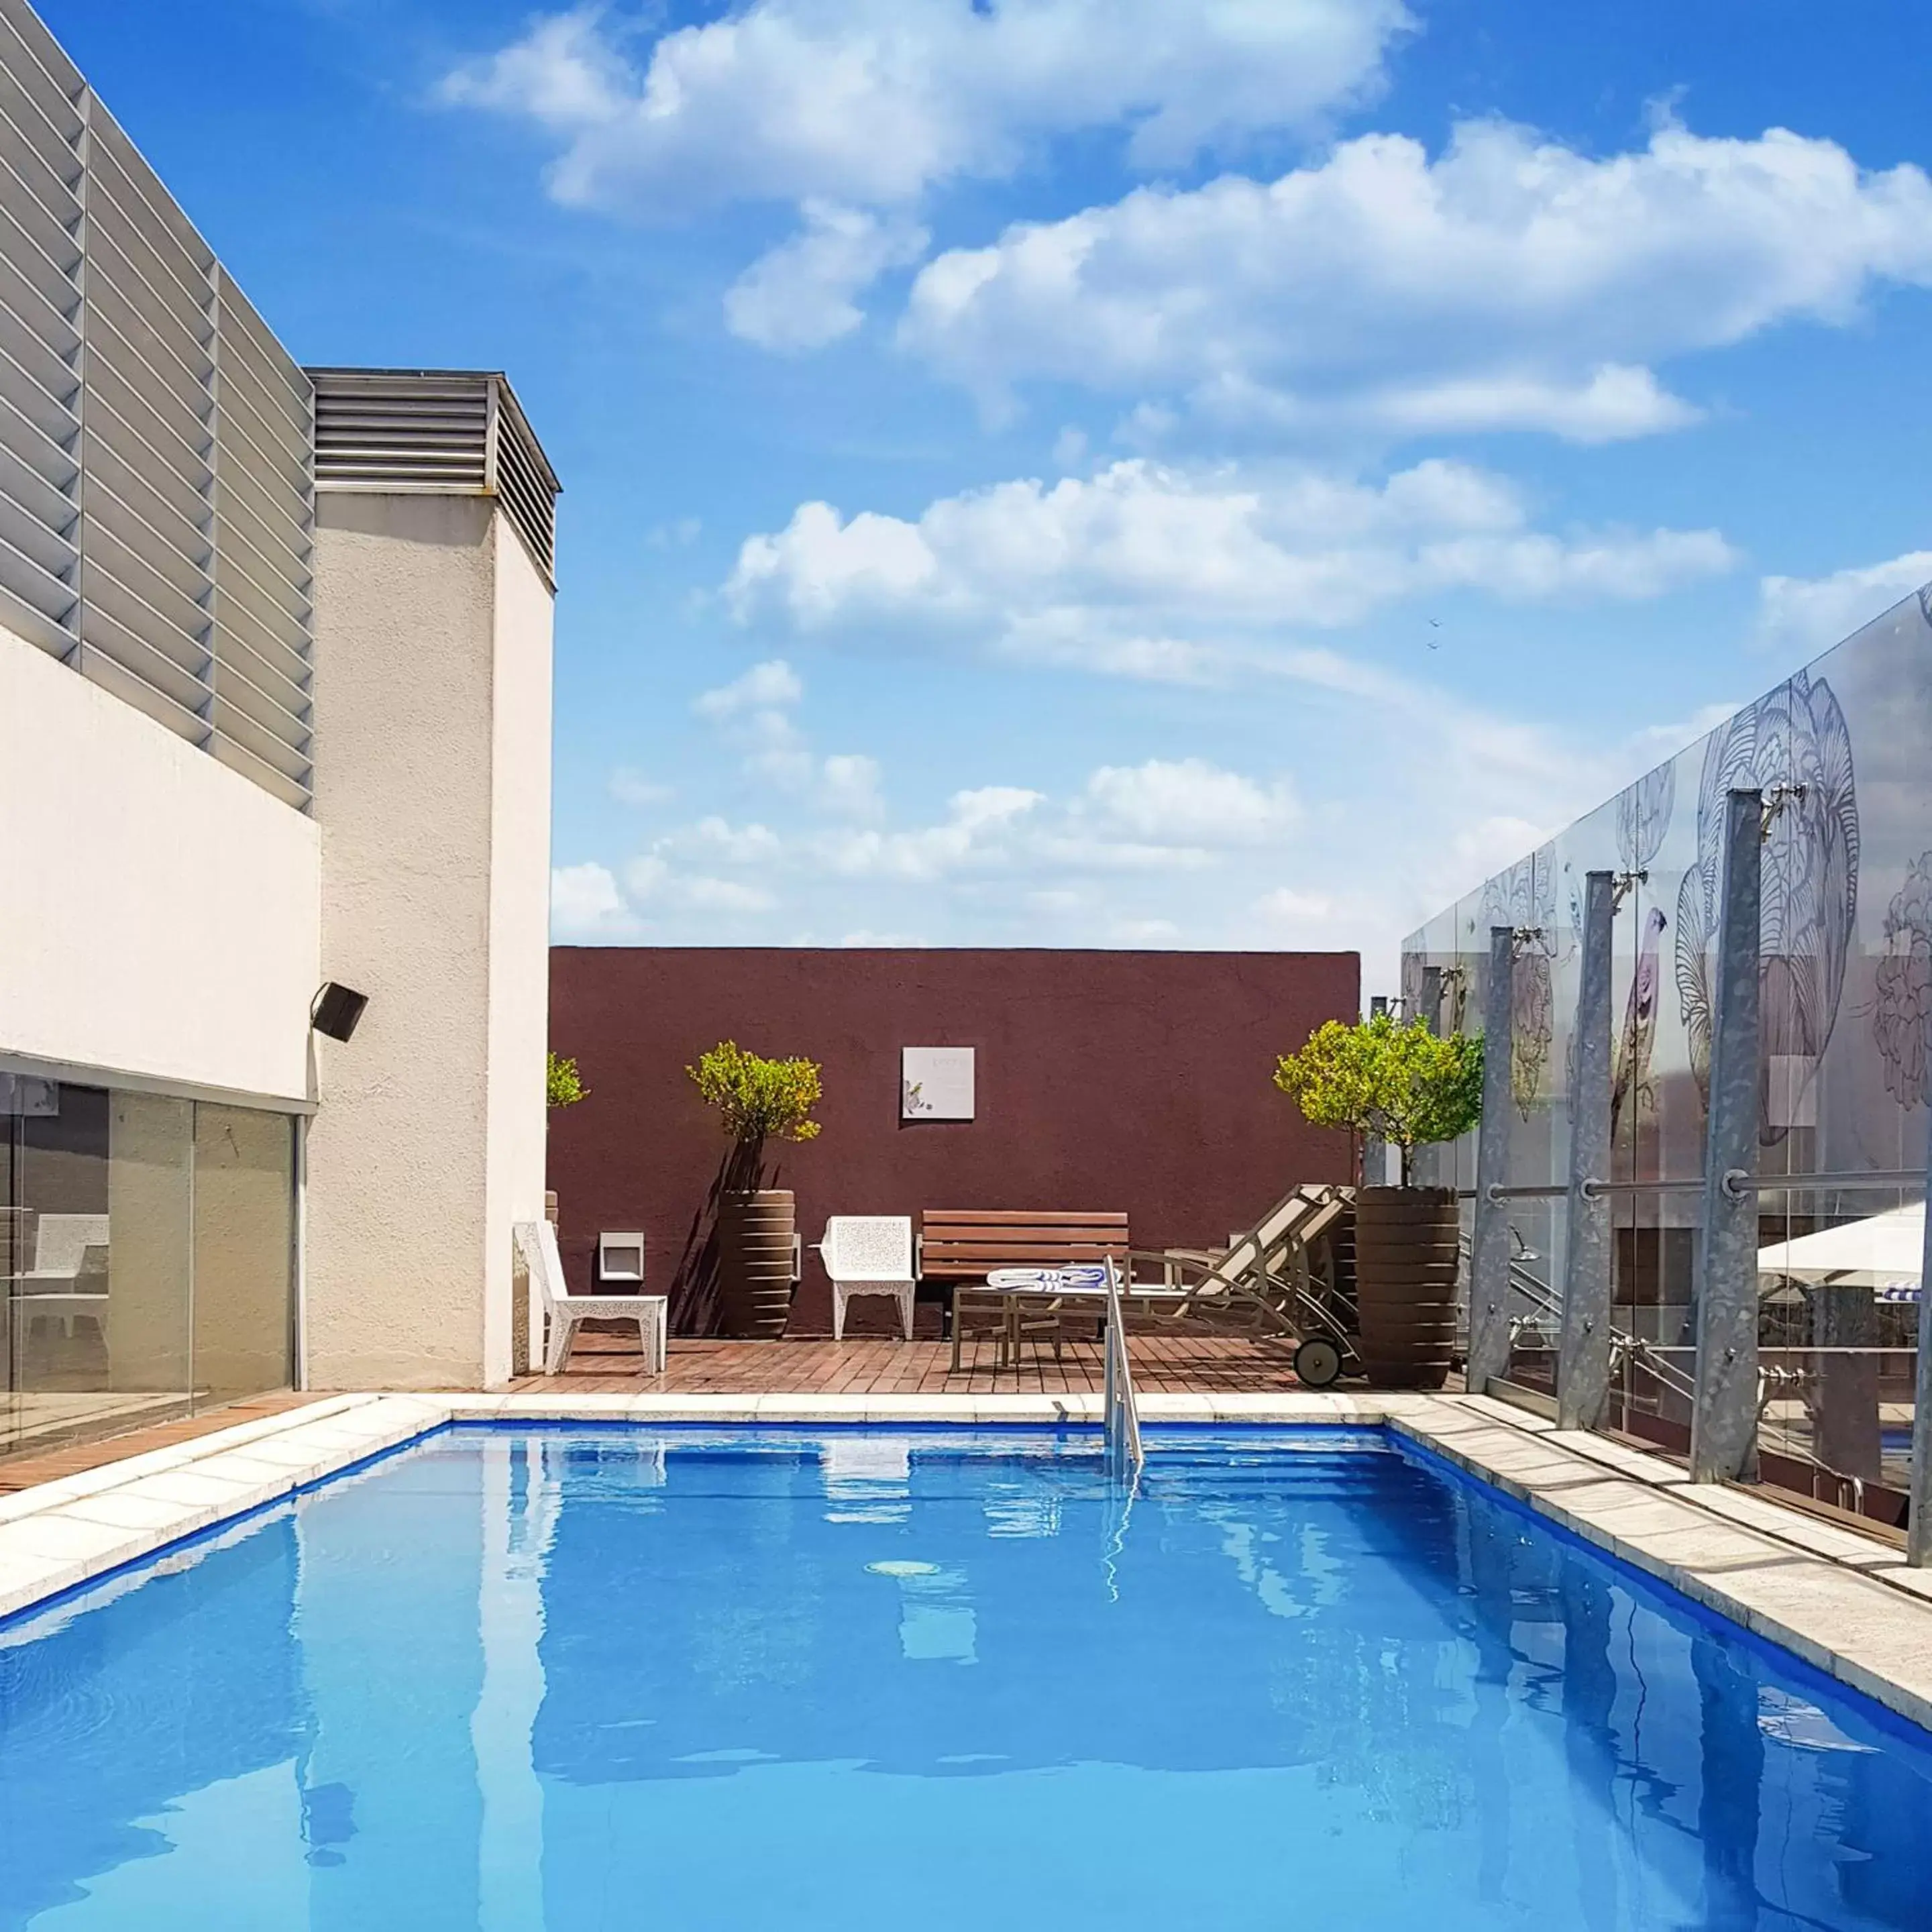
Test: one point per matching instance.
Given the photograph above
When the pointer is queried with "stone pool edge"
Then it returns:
(1844, 1602)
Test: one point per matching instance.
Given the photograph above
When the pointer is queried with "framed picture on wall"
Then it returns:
(936, 1083)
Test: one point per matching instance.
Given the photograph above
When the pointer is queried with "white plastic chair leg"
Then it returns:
(651, 1339)
(562, 1328)
(905, 1298)
(838, 1312)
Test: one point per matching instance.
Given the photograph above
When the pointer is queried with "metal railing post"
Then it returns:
(1427, 1163)
(1583, 1363)
(1490, 1248)
(1432, 998)
(1724, 1406)
(1120, 1405)
(1919, 1523)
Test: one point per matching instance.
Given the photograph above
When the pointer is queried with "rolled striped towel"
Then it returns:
(1081, 1277)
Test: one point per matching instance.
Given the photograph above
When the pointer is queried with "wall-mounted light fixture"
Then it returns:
(337, 1010)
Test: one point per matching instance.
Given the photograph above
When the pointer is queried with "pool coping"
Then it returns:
(1845, 1604)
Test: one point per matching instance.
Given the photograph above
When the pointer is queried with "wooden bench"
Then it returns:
(962, 1245)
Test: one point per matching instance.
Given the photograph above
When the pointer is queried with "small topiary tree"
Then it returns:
(564, 1085)
(1398, 1082)
(757, 1099)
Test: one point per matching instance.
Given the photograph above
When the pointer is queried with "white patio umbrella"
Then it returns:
(1885, 1252)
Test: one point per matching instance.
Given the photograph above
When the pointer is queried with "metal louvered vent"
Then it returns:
(156, 503)
(448, 432)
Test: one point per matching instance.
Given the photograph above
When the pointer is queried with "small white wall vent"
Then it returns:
(620, 1257)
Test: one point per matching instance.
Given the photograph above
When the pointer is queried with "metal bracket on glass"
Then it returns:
(1780, 796)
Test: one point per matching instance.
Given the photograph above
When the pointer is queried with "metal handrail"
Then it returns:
(1736, 1181)
(1121, 1410)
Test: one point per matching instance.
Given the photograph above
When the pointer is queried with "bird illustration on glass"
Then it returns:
(1630, 1085)
(1524, 898)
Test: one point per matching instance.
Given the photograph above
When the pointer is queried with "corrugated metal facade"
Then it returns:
(157, 498)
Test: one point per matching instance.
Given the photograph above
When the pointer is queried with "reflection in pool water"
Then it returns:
(569, 1678)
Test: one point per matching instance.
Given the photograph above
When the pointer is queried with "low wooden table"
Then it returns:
(1139, 1295)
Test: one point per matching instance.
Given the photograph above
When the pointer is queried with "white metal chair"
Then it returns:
(869, 1254)
(68, 1250)
(537, 1240)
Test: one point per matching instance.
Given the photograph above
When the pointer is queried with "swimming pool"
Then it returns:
(571, 1677)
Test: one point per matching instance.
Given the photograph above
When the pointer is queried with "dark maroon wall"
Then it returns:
(1134, 1081)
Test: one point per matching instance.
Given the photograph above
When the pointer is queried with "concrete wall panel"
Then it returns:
(158, 913)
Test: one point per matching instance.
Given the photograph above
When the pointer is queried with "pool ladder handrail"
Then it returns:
(1121, 1410)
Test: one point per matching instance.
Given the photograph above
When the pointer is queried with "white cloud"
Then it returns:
(709, 894)
(650, 882)
(1189, 801)
(871, 103)
(800, 295)
(754, 714)
(1508, 283)
(585, 904)
(1403, 795)
(1284, 905)
(629, 787)
(976, 832)
(849, 784)
(563, 73)
(678, 534)
(718, 841)
(1105, 571)
(1800, 616)
(771, 685)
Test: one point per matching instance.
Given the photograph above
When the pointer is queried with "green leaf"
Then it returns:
(758, 1099)
(1397, 1082)
(564, 1084)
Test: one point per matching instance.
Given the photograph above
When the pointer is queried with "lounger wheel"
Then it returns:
(1318, 1363)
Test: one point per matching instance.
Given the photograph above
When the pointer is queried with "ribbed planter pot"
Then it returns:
(755, 1284)
(1405, 1270)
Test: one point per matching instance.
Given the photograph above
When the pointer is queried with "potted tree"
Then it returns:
(563, 1086)
(1402, 1083)
(756, 1100)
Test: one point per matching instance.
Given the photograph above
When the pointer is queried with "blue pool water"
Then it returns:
(576, 1678)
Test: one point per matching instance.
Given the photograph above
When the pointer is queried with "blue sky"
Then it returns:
(1111, 472)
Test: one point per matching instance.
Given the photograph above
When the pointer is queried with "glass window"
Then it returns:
(243, 1251)
(146, 1258)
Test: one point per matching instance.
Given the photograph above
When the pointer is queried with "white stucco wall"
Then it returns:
(519, 922)
(159, 914)
(433, 794)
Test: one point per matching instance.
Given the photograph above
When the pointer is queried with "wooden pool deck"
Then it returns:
(1163, 1365)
